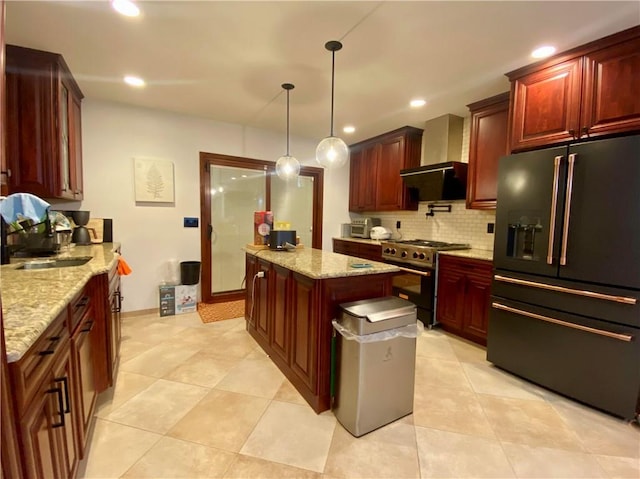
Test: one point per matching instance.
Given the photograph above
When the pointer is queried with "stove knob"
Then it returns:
(415, 255)
(393, 251)
(387, 251)
(404, 254)
(421, 255)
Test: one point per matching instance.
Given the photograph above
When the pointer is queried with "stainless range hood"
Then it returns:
(442, 181)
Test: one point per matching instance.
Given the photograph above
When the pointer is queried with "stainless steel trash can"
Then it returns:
(375, 363)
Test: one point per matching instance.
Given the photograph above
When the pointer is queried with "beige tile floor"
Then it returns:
(204, 401)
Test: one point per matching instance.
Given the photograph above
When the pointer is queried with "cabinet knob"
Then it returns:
(585, 130)
(572, 132)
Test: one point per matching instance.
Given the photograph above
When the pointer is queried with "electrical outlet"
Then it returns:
(490, 227)
(398, 224)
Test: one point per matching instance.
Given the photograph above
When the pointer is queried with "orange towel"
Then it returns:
(123, 267)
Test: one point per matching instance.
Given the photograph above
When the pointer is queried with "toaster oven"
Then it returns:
(361, 228)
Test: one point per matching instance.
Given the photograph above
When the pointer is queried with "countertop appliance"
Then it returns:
(361, 227)
(380, 233)
(416, 283)
(565, 305)
(282, 240)
(442, 181)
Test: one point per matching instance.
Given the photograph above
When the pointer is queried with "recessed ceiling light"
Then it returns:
(543, 52)
(349, 129)
(417, 103)
(125, 7)
(134, 81)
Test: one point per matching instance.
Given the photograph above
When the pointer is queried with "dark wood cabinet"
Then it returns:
(299, 310)
(586, 92)
(374, 182)
(488, 142)
(45, 395)
(114, 323)
(464, 291)
(44, 139)
(83, 347)
(359, 249)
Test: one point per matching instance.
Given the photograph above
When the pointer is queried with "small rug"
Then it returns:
(211, 312)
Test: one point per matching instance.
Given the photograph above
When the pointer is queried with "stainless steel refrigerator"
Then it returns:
(565, 306)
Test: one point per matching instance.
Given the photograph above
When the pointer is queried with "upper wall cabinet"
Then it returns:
(374, 181)
(586, 92)
(44, 140)
(489, 125)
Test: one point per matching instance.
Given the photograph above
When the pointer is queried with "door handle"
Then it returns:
(600, 332)
(64, 381)
(58, 392)
(554, 206)
(567, 210)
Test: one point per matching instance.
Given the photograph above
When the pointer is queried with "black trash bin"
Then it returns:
(189, 272)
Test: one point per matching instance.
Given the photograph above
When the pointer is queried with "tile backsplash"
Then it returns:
(459, 226)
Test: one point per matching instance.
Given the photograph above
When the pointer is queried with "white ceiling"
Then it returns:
(227, 60)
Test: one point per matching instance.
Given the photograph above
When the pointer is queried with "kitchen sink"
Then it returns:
(55, 263)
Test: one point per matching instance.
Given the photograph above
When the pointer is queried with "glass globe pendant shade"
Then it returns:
(332, 152)
(287, 167)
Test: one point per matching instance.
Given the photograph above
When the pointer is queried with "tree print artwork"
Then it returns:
(153, 180)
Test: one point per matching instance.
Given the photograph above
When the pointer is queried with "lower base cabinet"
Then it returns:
(290, 314)
(369, 251)
(464, 290)
(55, 385)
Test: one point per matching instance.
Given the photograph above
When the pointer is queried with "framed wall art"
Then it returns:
(154, 180)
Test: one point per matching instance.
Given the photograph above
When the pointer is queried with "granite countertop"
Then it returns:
(318, 264)
(33, 298)
(473, 253)
(362, 240)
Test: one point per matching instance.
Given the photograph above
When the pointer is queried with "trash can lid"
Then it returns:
(379, 309)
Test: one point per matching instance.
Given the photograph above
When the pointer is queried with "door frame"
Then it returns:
(207, 159)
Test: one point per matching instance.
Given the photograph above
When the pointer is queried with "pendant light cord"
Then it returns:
(333, 77)
(288, 123)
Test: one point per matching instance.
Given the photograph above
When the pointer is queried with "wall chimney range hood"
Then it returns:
(442, 181)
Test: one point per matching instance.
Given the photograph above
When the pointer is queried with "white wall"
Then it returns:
(114, 134)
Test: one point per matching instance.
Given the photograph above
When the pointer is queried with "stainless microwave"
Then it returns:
(361, 228)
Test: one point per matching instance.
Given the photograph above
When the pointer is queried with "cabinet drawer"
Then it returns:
(78, 307)
(478, 266)
(28, 372)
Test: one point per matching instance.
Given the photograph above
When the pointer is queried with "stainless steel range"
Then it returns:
(416, 283)
(421, 253)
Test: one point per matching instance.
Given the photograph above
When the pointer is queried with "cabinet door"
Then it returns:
(546, 106)
(368, 176)
(75, 151)
(611, 98)
(280, 335)
(251, 268)
(30, 129)
(63, 378)
(85, 379)
(389, 185)
(489, 125)
(451, 288)
(40, 427)
(304, 323)
(355, 173)
(261, 300)
(476, 314)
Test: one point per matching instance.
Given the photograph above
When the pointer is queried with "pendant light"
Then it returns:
(332, 152)
(287, 167)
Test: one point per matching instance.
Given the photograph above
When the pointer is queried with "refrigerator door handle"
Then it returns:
(567, 210)
(554, 206)
(600, 332)
(562, 289)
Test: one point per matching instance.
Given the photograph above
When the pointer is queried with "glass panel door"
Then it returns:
(236, 193)
(292, 202)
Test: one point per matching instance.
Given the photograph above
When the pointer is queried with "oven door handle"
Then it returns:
(600, 332)
(414, 271)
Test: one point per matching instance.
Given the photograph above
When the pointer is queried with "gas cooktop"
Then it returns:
(417, 252)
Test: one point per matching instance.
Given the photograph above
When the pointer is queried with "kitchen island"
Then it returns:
(291, 299)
